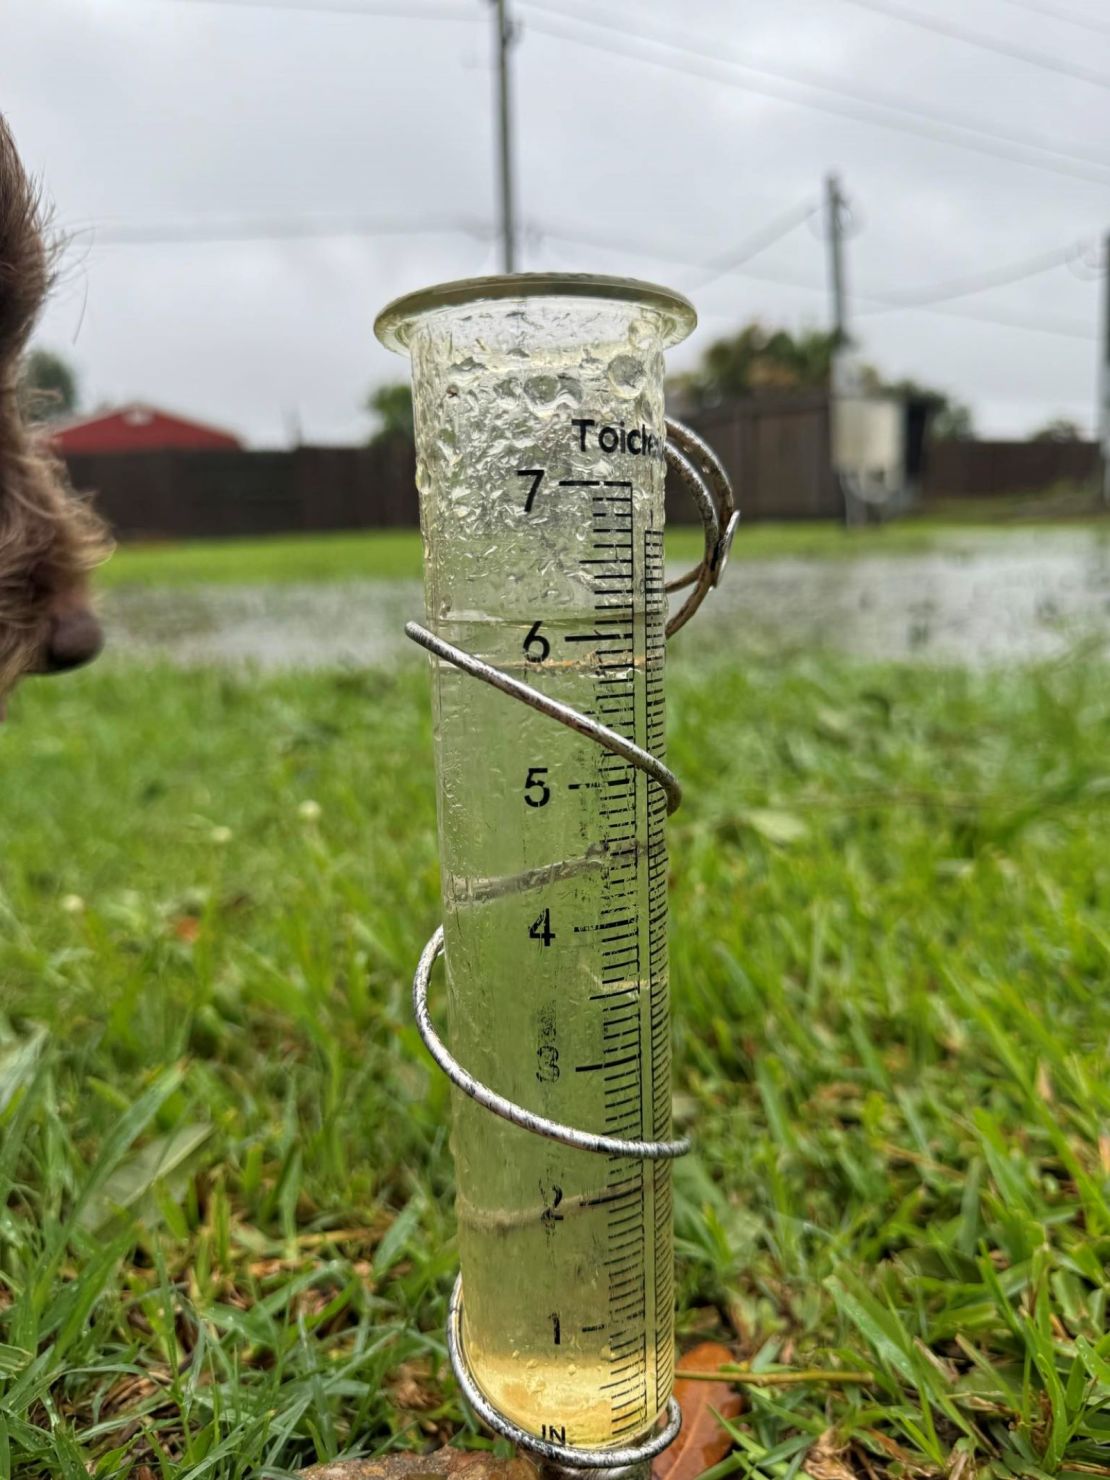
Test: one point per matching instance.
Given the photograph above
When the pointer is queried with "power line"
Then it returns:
(201, 232)
(925, 22)
(806, 77)
(1058, 13)
(682, 57)
(926, 122)
(718, 267)
(1067, 330)
(981, 282)
(1061, 329)
(399, 11)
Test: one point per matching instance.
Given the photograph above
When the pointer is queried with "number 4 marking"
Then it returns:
(536, 475)
(541, 928)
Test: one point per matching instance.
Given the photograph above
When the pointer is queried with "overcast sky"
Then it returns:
(208, 118)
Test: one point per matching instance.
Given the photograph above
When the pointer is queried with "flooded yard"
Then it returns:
(989, 598)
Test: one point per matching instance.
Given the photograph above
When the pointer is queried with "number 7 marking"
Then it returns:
(536, 475)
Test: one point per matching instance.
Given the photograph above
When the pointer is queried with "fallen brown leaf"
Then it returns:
(186, 928)
(702, 1442)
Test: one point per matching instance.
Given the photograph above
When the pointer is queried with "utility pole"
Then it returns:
(834, 230)
(503, 40)
(834, 235)
(1102, 429)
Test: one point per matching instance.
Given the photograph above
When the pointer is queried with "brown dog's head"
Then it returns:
(49, 540)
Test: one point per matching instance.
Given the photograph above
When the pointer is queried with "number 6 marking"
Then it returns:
(536, 648)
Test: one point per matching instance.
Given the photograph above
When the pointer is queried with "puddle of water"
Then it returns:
(998, 598)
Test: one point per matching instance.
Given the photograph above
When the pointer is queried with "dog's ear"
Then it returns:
(24, 260)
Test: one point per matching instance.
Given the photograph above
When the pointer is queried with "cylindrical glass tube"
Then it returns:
(540, 465)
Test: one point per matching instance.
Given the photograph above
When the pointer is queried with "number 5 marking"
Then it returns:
(534, 782)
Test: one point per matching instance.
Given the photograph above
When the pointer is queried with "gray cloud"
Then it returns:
(143, 115)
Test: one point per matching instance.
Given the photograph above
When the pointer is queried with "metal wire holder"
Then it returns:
(701, 473)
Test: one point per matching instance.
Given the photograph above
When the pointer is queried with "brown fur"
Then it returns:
(49, 539)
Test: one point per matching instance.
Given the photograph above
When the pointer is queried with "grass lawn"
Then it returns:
(226, 1235)
(396, 554)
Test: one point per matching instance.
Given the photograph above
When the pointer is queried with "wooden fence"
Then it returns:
(776, 449)
(990, 469)
(190, 495)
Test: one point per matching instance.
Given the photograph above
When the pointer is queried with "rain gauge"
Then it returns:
(542, 450)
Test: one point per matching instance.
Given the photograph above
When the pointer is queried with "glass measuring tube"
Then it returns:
(540, 464)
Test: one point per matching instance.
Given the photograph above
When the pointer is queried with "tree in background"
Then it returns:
(391, 405)
(949, 419)
(758, 359)
(761, 359)
(1059, 429)
(47, 386)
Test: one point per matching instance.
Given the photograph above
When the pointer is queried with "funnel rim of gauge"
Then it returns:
(394, 323)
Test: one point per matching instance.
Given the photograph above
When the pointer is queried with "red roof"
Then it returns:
(138, 427)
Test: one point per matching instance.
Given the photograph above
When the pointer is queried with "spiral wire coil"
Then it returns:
(701, 473)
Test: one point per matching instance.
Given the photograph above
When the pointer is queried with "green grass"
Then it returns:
(372, 554)
(396, 554)
(226, 1236)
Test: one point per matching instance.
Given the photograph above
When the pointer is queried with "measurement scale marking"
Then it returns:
(612, 567)
(609, 1197)
(589, 1068)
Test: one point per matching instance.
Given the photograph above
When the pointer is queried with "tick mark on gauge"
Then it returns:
(612, 1064)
